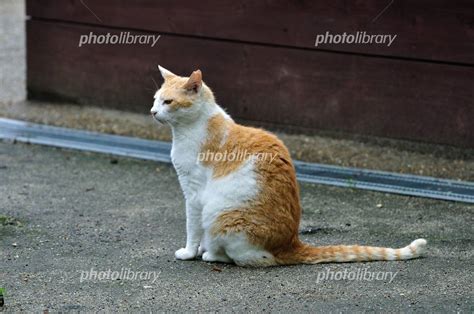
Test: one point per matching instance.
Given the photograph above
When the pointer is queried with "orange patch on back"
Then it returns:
(218, 130)
(271, 220)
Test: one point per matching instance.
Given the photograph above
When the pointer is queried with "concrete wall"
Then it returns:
(12, 51)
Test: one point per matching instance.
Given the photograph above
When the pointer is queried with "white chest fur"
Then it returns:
(196, 180)
(184, 155)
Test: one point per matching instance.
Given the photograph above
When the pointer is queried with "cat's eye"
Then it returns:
(168, 101)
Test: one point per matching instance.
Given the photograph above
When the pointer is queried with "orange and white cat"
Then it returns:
(244, 210)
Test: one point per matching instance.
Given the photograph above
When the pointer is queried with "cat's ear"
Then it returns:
(166, 73)
(194, 82)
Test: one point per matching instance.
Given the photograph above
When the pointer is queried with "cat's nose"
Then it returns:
(153, 112)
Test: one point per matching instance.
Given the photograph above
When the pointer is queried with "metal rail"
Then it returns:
(306, 172)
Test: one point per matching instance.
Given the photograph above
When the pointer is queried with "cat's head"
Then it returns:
(181, 99)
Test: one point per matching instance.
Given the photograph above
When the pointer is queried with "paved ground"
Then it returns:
(63, 213)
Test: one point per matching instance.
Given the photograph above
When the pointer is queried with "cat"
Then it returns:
(245, 210)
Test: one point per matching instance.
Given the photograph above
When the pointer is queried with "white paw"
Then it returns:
(185, 254)
(201, 250)
(208, 257)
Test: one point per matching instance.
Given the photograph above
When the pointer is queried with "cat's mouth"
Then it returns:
(158, 119)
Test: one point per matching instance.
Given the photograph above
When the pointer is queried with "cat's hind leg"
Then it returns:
(243, 253)
(235, 247)
(226, 239)
(216, 257)
(215, 252)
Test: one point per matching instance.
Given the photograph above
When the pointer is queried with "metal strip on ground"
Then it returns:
(307, 172)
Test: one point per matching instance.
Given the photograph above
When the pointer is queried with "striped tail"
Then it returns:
(307, 254)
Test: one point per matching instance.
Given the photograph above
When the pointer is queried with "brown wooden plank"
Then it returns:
(303, 88)
(426, 29)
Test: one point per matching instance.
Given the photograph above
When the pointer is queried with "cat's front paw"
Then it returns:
(185, 254)
(201, 250)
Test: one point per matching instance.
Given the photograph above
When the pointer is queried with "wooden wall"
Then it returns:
(260, 59)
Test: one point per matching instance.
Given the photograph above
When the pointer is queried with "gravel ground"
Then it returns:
(64, 213)
(344, 150)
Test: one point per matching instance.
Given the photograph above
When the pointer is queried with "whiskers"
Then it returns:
(155, 83)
